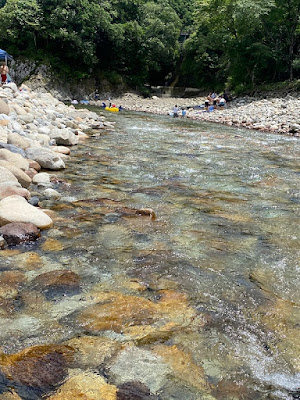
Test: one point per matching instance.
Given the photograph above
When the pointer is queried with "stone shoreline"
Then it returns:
(36, 131)
(272, 114)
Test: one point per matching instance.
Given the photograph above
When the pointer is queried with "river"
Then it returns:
(216, 271)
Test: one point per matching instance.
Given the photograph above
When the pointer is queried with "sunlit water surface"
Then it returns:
(225, 235)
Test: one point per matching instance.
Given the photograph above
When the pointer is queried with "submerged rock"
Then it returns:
(85, 386)
(134, 391)
(58, 279)
(37, 367)
(18, 232)
(139, 365)
(92, 351)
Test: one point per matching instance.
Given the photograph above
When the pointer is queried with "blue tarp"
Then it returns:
(5, 56)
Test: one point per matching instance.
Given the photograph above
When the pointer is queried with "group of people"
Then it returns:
(216, 101)
(176, 111)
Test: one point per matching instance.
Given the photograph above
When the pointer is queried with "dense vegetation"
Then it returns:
(237, 43)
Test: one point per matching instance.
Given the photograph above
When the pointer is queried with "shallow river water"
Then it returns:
(204, 298)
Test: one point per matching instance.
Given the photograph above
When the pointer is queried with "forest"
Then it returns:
(234, 44)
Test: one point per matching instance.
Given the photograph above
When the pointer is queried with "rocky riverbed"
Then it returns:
(271, 114)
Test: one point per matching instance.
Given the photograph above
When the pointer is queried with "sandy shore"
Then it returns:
(273, 114)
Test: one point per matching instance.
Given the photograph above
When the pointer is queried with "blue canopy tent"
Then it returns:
(4, 56)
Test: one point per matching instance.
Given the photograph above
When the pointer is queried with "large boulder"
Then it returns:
(7, 178)
(18, 232)
(21, 176)
(17, 209)
(12, 148)
(14, 158)
(12, 86)
(45, 157)
(18, 109)
(7, 190)
(18, 140)
(4, 108)
(3, 134)
(64, 137)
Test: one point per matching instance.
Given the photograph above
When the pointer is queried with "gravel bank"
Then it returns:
(278, 115)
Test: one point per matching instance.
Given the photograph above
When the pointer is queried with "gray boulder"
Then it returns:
(64, 137)
(12, 148)
(45, 157)
(18, 140)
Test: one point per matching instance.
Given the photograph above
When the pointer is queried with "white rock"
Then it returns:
(51, 194)
(42, 177)
(16, 209)
(14, 158)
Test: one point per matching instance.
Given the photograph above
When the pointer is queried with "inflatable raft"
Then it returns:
(112, 109)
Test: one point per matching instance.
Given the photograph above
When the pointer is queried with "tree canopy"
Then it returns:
(237, 43)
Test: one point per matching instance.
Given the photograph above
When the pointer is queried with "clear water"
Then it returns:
(226, 234)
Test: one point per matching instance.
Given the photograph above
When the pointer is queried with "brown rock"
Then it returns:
(33, 261)
(58, 279)
(85, 386)
(183, 366)
(18, 232)
(35, 165)
(134, 391)
(40, 367)
(52, 245)
(10, 283)
(136, 315)
(116, 313)
(31, 172)
(6, 191)
(11, 395)
(92, 351)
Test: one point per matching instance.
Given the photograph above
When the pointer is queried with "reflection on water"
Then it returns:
(209, 289)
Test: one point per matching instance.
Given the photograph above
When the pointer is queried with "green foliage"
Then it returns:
(161, 27)
(233, 43)
(20, 22)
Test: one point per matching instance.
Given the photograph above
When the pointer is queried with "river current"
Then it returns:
(223, 247)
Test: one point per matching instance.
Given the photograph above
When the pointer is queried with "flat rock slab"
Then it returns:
(17, 209)
(19, 232)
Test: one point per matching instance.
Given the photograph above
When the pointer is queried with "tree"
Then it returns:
(20, 24)
(161, 27)
(69, 28)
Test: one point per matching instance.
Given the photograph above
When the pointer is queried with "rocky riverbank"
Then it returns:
(270, 114)
(36, 131)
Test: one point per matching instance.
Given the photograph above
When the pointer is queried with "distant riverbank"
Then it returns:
(271, 114)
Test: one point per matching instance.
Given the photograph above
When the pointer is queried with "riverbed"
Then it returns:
(198, 299)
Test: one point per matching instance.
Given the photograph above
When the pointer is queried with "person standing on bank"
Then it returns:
(4, 72)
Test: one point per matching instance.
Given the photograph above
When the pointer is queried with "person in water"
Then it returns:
(175, 111)
(183, 113)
